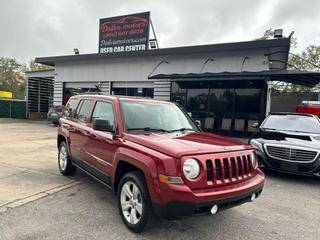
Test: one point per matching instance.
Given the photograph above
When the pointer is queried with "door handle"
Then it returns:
(87, 133)
(68, 127)
(108, 140)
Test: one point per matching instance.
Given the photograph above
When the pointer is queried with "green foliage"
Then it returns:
(308, 60)
(266, 35)
(33, 66)
(12, 77)
(312, 57)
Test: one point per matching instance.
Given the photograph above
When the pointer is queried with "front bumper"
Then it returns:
(176, 209)
(306, 169)
(180, 200)
(53, 119)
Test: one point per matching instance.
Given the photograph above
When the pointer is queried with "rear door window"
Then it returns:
(83, 110)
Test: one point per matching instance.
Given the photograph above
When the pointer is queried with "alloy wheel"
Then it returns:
(131, 202)
(63, 157)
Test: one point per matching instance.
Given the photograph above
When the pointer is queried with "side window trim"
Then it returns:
(105, 101)
(80, 105)
(78, 109)
(113, 110)
(72, 105)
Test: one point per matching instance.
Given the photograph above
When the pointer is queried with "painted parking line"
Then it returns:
(36, 196)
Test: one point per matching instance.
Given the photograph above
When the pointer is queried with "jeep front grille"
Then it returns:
(230, 169)
(291, 154)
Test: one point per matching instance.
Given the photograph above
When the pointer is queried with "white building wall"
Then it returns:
(162, 90)
(57, 93)
(137, 69)
(105, 87)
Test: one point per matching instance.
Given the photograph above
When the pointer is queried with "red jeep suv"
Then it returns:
(155, 158)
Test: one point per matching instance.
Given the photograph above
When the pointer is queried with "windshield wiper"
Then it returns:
(284, 130)
(148, 129)
(272, 129)
(182, 130)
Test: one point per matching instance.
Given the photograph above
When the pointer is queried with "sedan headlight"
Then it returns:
(253, 159)
(256, 144)
(191, 168)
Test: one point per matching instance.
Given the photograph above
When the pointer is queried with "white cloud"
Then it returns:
(54, 27)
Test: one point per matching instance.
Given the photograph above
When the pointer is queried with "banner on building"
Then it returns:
(4, 94)
(129, 33)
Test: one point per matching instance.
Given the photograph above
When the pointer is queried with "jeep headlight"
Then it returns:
(191, 168)
(253, 159)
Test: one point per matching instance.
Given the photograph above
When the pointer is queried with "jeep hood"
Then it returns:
(191, 143)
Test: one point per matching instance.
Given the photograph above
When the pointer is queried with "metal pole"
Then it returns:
(10, 109)
(38, 95)
(154, 33)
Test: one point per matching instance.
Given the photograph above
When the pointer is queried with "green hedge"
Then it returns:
(12, 109)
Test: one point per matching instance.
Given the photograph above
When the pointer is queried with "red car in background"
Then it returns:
(310, 107)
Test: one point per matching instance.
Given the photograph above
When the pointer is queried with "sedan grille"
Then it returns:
(291, 154)
(230, 169)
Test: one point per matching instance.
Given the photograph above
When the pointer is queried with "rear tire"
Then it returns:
(134, 202)
(65, 166)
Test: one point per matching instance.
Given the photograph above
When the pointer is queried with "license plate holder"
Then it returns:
(290, 167)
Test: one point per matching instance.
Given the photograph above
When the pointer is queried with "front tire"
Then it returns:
(65, 166)
(134, 202)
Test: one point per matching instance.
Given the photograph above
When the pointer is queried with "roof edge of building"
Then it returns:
(255, 44)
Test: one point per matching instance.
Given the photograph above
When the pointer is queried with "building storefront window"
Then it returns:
(69, 92)
(138, 92)
(226, 108)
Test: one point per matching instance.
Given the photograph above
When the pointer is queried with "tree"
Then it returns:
(12, 77)
(33, 66)
(269, 33)
(308, 60)
(266, 35)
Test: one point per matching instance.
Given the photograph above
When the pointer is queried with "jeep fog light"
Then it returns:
(191, 168)
(214, 209)
(253, 197)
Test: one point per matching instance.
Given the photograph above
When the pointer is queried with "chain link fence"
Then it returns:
(12, 108)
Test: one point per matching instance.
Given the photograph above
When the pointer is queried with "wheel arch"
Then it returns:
(145, 165)
(61, 139)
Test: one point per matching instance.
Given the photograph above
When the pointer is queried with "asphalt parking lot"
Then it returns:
(36, 202)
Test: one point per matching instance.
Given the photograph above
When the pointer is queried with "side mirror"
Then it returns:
(103, 125)
(255, 125)
(198, 122)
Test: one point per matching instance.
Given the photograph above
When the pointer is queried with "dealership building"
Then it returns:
(226, 86)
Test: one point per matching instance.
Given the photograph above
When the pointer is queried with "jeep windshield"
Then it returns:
(148, 116)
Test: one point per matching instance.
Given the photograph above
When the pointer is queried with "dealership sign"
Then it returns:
(128, 33)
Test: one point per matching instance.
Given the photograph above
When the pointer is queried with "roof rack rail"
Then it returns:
(91, 93)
